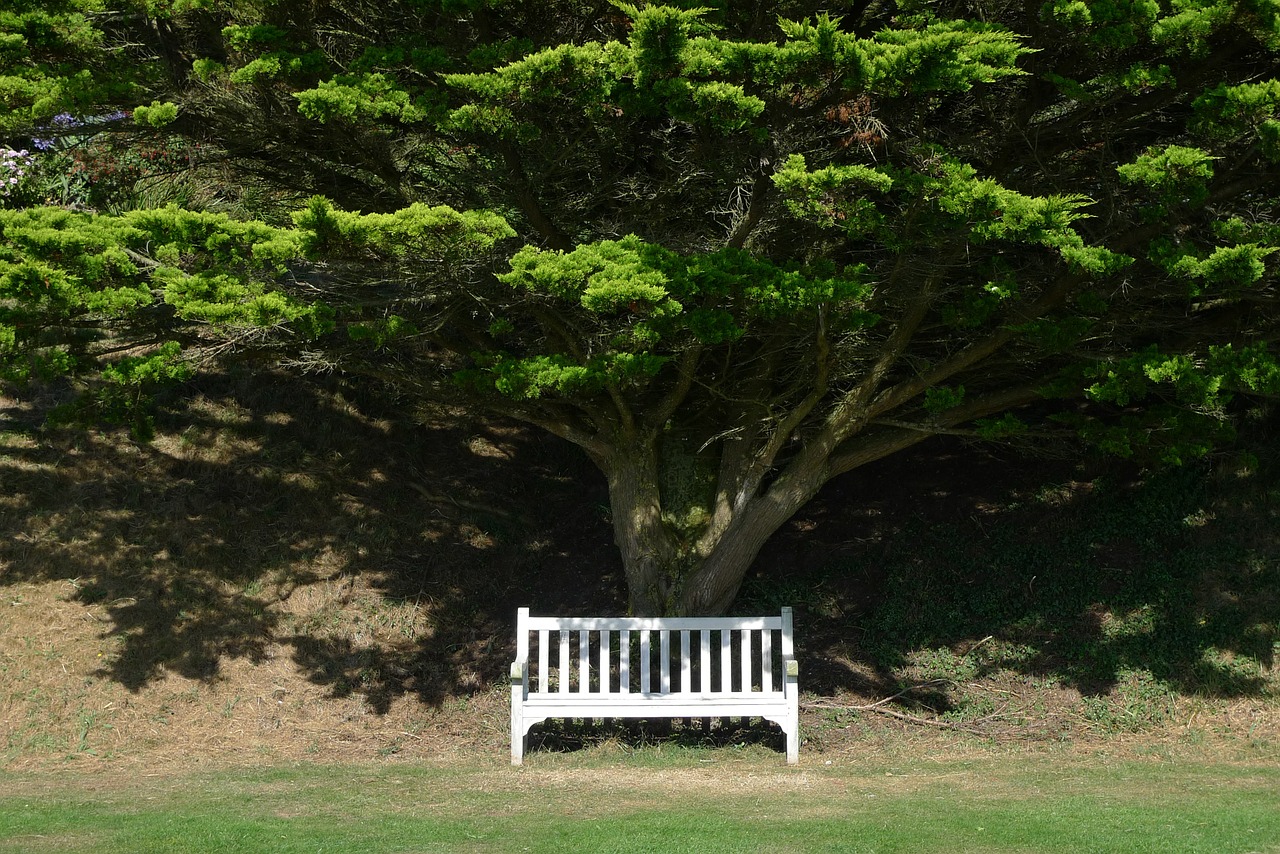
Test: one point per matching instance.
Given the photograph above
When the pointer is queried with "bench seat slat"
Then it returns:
(672, 706)
(614, 699)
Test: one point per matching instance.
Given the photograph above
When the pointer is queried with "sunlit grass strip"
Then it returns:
(695, 803)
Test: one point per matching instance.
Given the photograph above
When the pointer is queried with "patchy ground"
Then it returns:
(287, 573)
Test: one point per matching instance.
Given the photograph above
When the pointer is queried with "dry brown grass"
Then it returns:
(286, 575)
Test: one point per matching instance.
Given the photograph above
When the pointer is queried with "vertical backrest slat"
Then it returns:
(664, 663)
(522, 634)
(584, 661)
(686, 662)
(563, 675)
(605, 645)
(624, 661)
(704, 676)
(726, 662)
(646, 662)
(745, 665)
(544, 642)
(788, 650)
(766, 660)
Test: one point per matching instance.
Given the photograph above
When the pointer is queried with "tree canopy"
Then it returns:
(730, 251)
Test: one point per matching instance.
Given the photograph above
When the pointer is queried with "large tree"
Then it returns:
(731, 252)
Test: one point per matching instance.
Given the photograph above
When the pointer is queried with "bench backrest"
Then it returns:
(703, 656)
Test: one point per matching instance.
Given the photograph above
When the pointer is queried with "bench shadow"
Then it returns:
(573, 736)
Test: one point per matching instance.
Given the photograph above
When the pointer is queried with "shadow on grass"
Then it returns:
(557, 736)
(193, 547)
(1044, 569)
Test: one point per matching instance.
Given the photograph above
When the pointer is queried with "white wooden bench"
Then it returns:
(644, 667)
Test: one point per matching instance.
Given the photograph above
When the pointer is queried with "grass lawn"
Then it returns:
(656, 800)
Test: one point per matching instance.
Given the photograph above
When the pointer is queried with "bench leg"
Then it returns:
(792, 726)
(518, 737)
(792, 731)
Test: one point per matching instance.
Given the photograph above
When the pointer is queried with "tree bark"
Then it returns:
(713, 585)
(648, 549)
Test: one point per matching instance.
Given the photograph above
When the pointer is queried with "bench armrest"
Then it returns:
(518, 672)
(793, 668)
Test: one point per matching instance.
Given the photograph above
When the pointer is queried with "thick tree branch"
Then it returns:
(780, 433)
(761, 189)
(527, 201)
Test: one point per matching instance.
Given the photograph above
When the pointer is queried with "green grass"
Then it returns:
(656, 801)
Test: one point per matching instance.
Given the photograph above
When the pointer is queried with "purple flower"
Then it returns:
(66, 120)
(44, 144)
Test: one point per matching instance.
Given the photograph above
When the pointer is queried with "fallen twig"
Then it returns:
(902, 716)
(878, 704)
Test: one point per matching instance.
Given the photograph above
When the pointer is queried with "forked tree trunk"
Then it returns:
(711, 588)
(668, 577)
(684, 573)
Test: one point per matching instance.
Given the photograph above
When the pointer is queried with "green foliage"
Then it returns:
(1175, 175)
(604, 278)
(834, 195)
(940, 398)
(1206, 384)
(1226, 267)
(366, 97)
(44, 51)
(1004, 427)
(382, 331)
(1231, 112)
(157, 115)
(60, 270)
(1108, 25)
(128, 383)
(419, 230)
(776, 232)
(1192, 25)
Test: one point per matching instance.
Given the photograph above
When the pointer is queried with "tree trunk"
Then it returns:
(666, 574)
(712, 587)
(648, 549)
